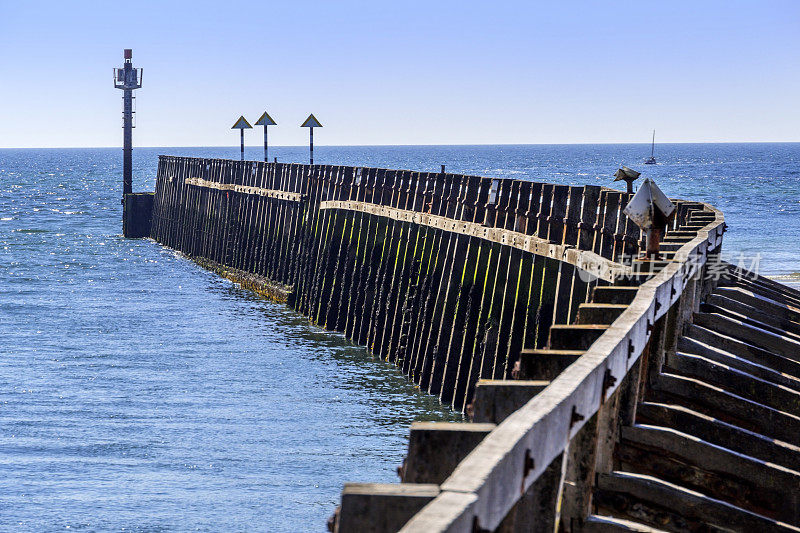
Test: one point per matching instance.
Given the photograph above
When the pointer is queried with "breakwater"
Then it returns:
(606, 393)
(447, 276)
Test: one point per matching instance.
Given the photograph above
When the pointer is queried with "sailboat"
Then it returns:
(652, 160)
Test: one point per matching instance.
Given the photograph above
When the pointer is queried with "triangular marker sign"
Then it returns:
(241, 124)
(643, 204)
(266, 120)
(311, 122)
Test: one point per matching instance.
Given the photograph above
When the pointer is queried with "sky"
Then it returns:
(402, 72)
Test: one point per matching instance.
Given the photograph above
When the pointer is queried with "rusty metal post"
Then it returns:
(653, 237)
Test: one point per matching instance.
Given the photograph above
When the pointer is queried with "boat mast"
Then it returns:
(653, 146)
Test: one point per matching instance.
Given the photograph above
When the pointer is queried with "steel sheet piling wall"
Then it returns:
(447, 307)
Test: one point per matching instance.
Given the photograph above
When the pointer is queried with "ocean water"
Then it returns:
(139, 392)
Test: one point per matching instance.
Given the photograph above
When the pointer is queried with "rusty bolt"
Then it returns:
(575, 417)
(528, 464)
(608, 381)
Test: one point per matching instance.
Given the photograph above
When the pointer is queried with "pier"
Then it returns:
(604, 392)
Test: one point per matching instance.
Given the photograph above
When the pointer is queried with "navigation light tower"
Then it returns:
(127, 78)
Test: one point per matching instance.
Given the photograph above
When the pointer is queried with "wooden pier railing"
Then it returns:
(605, 393)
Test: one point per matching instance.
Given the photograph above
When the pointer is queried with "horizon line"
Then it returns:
(258, 146)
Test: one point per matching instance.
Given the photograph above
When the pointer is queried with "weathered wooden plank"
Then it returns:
(335, 317)
(710, 345)
(381, 193)
(312, 241)
(715, 431)
(449, 289)
(740, 309)
(779, 344)
(444, 204)
(381, 507)
(656, 502)
(610, 216)
(400, 271)
(737, 380)
(325, 242)
(455, 317)
(566, 272)
(486, 333)
(436, 448)
(496, 400)
(356, 264)
(673, 456)
(471, 294)
(506, 289)
(382, 345)
(421, 257)
(386, 261)
(727, 406)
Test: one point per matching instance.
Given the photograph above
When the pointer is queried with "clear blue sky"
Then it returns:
(403, 72)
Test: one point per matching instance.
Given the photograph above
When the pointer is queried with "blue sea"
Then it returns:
(139, 392)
